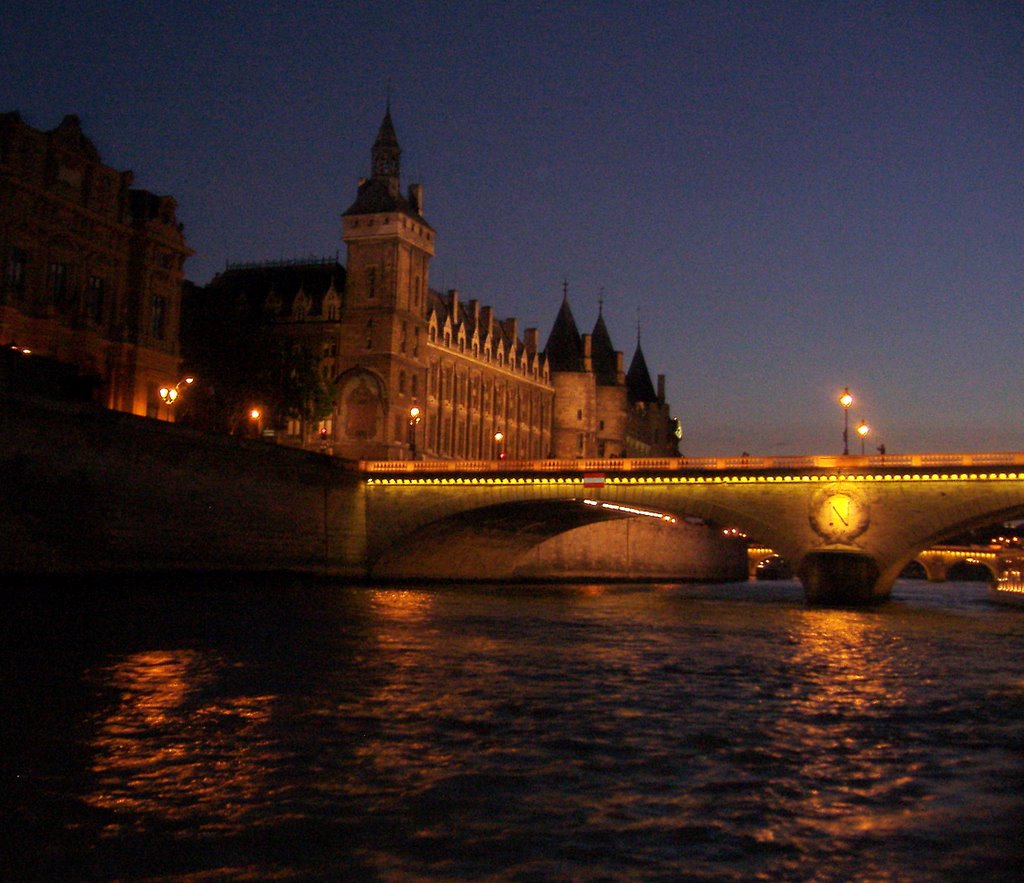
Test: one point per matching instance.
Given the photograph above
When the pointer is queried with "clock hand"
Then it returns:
(839, 515)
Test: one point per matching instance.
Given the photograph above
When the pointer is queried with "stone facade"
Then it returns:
(390, 344)
(416, 372)
(92, 268)
(599, 410)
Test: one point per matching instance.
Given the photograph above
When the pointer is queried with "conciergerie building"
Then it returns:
(418, 372)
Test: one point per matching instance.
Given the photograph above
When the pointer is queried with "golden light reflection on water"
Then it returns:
(165, 752)
(846, 673)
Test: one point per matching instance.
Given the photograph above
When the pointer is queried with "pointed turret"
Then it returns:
(603, 353)
(386, 155)
(638, 378)
(564, 348)
(381, 193)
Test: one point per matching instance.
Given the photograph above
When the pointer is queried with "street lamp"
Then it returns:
(499, 438)
(414, 418)
(169, 394)
(846, 400)
(862, 430)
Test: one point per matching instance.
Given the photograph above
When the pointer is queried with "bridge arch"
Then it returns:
(568, 538)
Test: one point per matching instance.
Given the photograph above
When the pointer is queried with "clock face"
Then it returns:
(838, 515)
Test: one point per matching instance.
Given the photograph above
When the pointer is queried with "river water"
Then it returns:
(288, 729)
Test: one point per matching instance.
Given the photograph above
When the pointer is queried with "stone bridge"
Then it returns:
(847, 525)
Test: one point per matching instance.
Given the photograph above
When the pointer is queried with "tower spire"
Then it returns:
(386, 154)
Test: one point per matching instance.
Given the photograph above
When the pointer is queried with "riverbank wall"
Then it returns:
(86, 490)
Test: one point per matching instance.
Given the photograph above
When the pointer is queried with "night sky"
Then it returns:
(790, 197)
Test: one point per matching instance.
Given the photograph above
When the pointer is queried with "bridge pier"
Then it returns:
(841, 579)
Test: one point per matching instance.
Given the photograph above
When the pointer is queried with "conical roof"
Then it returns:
(638, 379)
(564, 348)
(602, 353)
(386, 153)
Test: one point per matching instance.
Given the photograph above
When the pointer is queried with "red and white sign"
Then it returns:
(593, 479)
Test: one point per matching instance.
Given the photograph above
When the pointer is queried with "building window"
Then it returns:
(16, 269)
(600, 424)
(158, 317)
(57, 275)
(405, 336)
(414, 385)
(94, 300)
(401, 382)
(416, 341)
(371, 282)
(579, 416)
(369, 334)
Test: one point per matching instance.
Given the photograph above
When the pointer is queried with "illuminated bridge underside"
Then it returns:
(847, 525)
(492, 541)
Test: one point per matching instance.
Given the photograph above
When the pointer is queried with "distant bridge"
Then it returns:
(848, 525)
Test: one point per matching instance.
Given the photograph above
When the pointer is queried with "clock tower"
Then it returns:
(384, 330)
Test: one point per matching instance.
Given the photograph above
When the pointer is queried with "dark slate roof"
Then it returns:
(602, 354)
(382, 192)
(564, 349)
(376, 197)
(638, 379)
(255, 282)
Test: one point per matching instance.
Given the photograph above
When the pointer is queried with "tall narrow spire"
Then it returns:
(386, 154)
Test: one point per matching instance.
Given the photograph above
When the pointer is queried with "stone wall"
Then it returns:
(90, 490)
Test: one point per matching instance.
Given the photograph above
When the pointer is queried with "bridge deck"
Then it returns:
(699, 464)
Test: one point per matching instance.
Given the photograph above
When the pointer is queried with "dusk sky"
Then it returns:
(791, 197)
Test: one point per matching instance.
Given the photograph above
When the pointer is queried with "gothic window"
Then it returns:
(433, 335)
(158, 317)
(401, 382)
(414, 384)
(57, 274)
(416, 341)
(94, 300)
(405, 335)
(579, 415)
(16, 269)
(447, 339)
